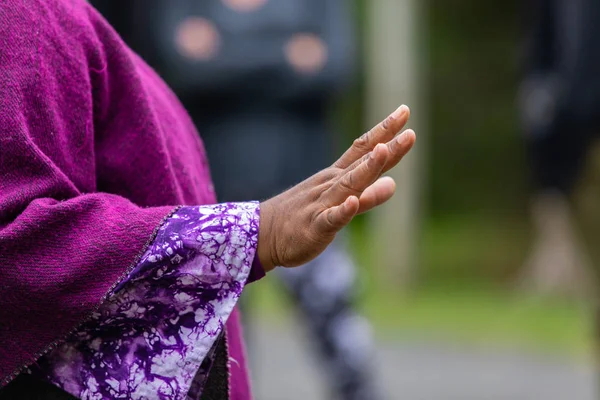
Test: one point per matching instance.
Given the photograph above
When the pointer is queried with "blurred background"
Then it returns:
(478, 278)
(454, 317)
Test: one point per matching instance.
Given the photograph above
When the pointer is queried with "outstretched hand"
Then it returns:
(297, 225)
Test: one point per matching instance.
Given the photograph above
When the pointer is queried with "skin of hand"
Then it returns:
(297, 225)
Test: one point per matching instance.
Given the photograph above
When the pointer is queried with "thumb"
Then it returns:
(335, 218)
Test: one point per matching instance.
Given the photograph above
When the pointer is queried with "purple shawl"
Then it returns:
(95, 152)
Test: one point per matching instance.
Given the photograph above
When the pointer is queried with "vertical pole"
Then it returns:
(394, 63)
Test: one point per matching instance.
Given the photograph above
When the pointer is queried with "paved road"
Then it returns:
(284, 370)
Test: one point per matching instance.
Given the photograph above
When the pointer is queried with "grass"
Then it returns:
(449, 307)
(485, 319)
(469, 318)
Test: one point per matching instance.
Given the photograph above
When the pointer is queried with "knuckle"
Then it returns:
(332, 173)
(362, 142)
(325, 183)
(330, 218)
(392, 146)
(347, 181)
(359, 162)
(387, 123)
(366, 158)
(333, 223)
(347, 184)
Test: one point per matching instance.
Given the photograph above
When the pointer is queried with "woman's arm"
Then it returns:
(65, 244)
(161, 325)
(157, 331)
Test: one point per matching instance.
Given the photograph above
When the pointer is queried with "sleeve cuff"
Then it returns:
(257, 271)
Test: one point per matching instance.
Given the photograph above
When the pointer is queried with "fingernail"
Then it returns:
(399, 111)
(347, 202)
(403, 137)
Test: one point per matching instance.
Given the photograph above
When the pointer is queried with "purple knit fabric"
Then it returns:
(154, 336)
(95, 151)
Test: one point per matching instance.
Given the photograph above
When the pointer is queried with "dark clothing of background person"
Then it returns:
(247, 91)
(561, 90)
(560, 105)
(261, 80)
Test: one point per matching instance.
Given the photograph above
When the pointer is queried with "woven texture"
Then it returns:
(95, 152)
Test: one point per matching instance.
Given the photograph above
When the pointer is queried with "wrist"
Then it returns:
(264, 250)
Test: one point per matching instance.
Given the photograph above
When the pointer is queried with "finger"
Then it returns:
(399, 147)
(335, 218)
(382, 133)
(355, 181)
(378, 193)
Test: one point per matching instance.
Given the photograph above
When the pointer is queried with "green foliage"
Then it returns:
(475, 147)
(476, 224)
(469, 316)
(476, 232)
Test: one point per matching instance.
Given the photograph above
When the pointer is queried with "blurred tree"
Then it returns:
(477, 194)
(475, 198)
(476, 156)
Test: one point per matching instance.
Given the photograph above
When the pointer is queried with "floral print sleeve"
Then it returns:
(158, 329)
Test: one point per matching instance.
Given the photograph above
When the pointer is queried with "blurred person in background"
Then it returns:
(258, 78)
(560, 104)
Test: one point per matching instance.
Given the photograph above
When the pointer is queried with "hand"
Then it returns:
(297, 225)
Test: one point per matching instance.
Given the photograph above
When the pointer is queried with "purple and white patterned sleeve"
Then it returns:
(151, 337)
